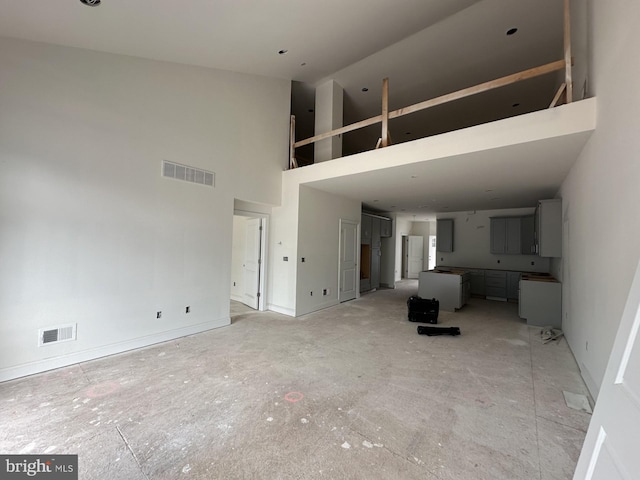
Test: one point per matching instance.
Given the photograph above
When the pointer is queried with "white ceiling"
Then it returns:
(425, 47)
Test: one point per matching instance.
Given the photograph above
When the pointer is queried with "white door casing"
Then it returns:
(251, 265)
(612, 445)
(348, 266)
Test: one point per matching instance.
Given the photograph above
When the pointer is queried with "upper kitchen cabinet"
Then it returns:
(528, 235)
(375, 232)
(444, 234)
(365, 230)
(506, 235)
(385, 227)
(549, 228)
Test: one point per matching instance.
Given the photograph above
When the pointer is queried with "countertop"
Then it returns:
(529, 276)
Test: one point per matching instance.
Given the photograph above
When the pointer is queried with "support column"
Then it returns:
(329, 101)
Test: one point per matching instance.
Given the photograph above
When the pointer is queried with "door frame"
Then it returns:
(358, 239)
(264, 246)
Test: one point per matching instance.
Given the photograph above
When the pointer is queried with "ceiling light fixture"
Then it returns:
(511, 31)
(515, 105)
(365, 89)
(90, 3)
(284, 51)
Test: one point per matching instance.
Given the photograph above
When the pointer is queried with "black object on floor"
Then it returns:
(423, 310)
(431, 331)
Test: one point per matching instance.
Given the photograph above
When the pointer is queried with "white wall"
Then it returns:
(90, 232)
(472, 241)
(318, 244)
(601, 194)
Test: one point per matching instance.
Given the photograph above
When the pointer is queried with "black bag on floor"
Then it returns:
(431, 331)
(423, 310)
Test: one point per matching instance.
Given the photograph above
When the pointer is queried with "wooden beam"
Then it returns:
(385, 113)
(558, 95)
(292, 140)
(483, 87)
(339, 131)
(567, 50)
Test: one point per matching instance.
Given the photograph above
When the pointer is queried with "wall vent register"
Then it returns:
(188, 174)
(61, 333)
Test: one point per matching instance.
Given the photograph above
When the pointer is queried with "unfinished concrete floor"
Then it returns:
(349, 392)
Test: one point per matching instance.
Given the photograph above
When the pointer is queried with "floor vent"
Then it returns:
(62, 333)
(188, 174)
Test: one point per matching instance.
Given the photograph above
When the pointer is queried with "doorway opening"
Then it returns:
(248, 261)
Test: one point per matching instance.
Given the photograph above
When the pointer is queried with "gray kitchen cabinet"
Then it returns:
(444, 234)
(541, 303)
(375, 232)
(495, 284)
(477, 282)
(549, 228)
(365, 230)
(375, 268)
(513, 285)
(385, 227)
(528, 235)
(505, 235)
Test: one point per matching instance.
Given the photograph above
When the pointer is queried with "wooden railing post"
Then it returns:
(385, 113)
(292, 140)
(567, 51)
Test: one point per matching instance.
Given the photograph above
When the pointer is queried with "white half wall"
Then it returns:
(472, 241)
(90, 232)
(601, 194)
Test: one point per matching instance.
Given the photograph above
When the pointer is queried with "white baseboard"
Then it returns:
(40, 366)
(283, 310)
(237, 298)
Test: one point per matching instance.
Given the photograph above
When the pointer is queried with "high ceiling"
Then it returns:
(425, 47)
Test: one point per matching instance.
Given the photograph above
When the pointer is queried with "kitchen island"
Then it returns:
(451, 287)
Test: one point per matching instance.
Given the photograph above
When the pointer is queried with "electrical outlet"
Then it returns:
(234, 284)
(286, 259)
(303, 259)
(187, 309)
(324, 291)
(533, 263)
(158, 314)
(311, 293)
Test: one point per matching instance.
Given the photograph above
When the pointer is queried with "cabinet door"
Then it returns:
(513, 285)
(477, 282)
(445, 234)
(385, 228)
(375, 232)
(527, 235)
(513, 246)
(365, 230)
(375, 268)
(498, 235)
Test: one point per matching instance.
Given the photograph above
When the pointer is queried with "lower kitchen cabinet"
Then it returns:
(477, 283)
(452, 290)
(513, 285)
(495, 284)
(541, 303)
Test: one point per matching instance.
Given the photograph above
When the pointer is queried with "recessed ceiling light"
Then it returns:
(414, 176)
(511, 31)
(407, 133)
(303, 64)
(515, 105)
(365, 89)
(284, 51)
(91, 3)
(311, 110)
(375, 201)
(393, 206)
(489, 190)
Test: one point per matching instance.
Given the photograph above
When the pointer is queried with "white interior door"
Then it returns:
(251, 265)
(431, 259)
(348, 267)
(415, 256)
(611, 447)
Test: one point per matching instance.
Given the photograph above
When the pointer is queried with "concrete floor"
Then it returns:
(349, 392)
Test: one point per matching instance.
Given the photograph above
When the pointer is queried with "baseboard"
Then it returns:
(237, 298)
(40, 366)
(283, 310)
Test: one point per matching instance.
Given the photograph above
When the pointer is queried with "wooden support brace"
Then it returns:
(556, 99)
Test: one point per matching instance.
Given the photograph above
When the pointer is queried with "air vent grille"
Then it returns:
(188, 174)
(61, 333)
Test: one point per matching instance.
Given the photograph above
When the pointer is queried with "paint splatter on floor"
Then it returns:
(346, 445)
